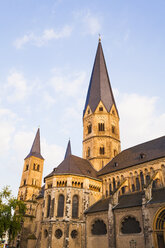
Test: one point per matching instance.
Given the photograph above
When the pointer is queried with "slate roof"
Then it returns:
(128, 201)
(35, 150)
(135, 155)
(99, 206)
(99, 86)
(74, 165)
(158, 196)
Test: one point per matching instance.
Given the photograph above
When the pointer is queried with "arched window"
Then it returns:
(75, 203)
(110, 188)
(27, 167)
(60, 211)
(159, 228)
(142, 179)
(133, 187)
(137, 184)
(130, 225)
(100, 108)
(102, 150)
(101, 127)
(89, 127)
(156, 183)
(34, 166)
(123, 190)
(113, 129)
(38, 167)
(48, 206)
(115, 153)
(114, 184)
(99, 228)
(147, 179)
(88, 152)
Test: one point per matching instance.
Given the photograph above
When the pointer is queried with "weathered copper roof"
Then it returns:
(35, 150)
(135, 155)
(74, 165)
(99, 86)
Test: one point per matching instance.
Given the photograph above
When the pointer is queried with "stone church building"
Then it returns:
(109, 198)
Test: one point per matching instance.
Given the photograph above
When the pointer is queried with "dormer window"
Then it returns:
(142, 155)
(115, 164)
(100, 108)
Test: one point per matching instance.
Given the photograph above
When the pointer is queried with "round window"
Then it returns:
(74, 234)
(45, 233)
(58, 233)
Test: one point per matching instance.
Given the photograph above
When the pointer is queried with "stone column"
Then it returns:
(146, 224)
(111, 227)
(50, 236)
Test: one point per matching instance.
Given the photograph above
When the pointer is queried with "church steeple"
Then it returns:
(31, 180)
(68, 150)
(35, 149)
(101, 137)
(99, 86)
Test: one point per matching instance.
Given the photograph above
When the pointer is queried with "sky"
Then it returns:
(47, 50)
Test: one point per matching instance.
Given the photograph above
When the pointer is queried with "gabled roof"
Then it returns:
(135, 155)
(76, 166)
(68, 150)
(127, 201)
(99, 86)
(35, 150)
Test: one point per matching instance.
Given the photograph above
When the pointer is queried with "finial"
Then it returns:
(99, 38)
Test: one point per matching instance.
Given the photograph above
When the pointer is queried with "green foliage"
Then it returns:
(11, 213)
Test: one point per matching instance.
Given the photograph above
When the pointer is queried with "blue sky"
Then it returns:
(47, 49)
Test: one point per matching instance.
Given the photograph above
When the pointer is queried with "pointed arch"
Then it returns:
(48, 206)
(60, 210)
(75, 206)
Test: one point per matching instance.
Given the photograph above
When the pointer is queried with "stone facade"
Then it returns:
(109, 198)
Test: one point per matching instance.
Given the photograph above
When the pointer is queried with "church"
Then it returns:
(108, 198)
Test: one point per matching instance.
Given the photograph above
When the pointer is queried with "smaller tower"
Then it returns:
(31, 180)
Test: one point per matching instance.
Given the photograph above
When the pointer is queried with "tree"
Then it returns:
(11, 213)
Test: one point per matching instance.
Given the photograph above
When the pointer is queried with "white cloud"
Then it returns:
(67, 84)
(17, 86)
(139, 120)
(48, 100)
(91, 23)
(47, 35)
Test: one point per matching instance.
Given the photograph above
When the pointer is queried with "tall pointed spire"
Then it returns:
(68, 150)
(35, 149)
(99, 87)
